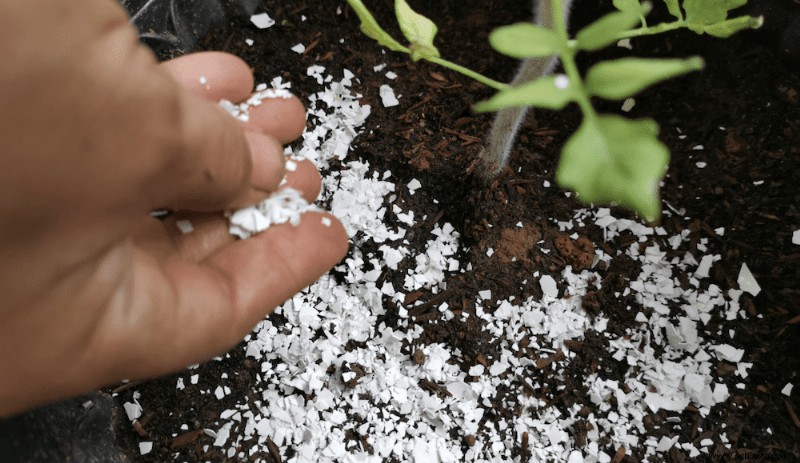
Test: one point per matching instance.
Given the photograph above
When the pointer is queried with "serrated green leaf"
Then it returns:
(709, 11)
(674, 9)
(551, 92)
(615, 160)
(418, 30)
(605, 30)
(729, 27)
(625, 77)
(524, 40)
(371, 28)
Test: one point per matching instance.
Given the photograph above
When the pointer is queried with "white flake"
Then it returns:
(133, 410)
(728, 352)
(284, 206)
(185, 226)
(549, 286)
(299, 48)
(145, 447)
(705, 266)
(796, 237)
(387, 96)
(747, 281)
(262, 20)
(787, 390)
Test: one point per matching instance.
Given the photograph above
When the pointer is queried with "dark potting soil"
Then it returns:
(748, 185)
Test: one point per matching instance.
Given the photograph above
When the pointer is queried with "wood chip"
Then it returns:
(438, 76)
(437, 389)
(274, 451)
(137, 426)
(186, 439)
(792, 414)
(546, 361)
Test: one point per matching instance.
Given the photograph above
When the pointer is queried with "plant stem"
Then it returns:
(469, 73)
(567, 56)
(663, 27)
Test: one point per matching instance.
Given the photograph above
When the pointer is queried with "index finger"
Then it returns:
(212, 75)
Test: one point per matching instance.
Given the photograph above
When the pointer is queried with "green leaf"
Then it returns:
(628, 5)
(625, 77)
(371, 28)
(636, 7)
(551, 92)
(418, 30)
(727, 28)
(709, 11)
(674, 9)
(524, 40)
(615, 160)
(605, 30)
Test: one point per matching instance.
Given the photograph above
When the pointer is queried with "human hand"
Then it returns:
(95, 135)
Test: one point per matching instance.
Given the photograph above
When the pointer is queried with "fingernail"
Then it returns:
(268, 162)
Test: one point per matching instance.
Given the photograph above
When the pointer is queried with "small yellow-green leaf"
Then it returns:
(727, 28)
(524, 40)
(605, 30)
(418, 30)
(615, 160)
(371, 28)
(625, 77)
(551, 92)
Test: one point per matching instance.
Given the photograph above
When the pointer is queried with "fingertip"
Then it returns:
(335, 233)
(304, 177)
(213, 75)
(282, 118)
(270, 267)
(268, 161)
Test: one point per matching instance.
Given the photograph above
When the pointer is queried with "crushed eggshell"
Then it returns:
(283, 206)
(133, 410)
(388, 97)
(185, 226)
(145, 447)
(747, 282)
(411, 409)
(549, 286)
(262, 20)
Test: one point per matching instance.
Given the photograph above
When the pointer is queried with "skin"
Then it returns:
(95, 135)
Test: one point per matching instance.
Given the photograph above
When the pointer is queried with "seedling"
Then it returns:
(609, 159)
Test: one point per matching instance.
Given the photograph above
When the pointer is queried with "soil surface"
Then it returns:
(734, 134)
